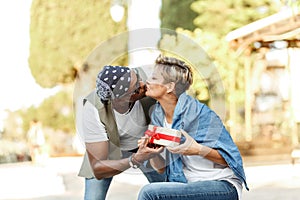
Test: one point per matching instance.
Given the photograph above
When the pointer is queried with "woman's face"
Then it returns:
(155, 86)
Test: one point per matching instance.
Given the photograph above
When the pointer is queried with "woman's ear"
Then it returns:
(170, 87)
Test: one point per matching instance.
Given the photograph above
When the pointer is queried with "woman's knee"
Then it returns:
(146, 193)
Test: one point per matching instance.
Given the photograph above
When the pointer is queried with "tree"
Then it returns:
(56, 112)
(221, 17)
(63, 33)
(177, 13)
(215, 19)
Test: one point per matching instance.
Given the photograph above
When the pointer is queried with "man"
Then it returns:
(115, 117)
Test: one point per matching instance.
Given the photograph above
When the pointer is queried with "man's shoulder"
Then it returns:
(148, 105)
(147, 101)
(93, 98)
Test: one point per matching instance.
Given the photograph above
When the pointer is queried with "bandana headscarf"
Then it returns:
(112, 82)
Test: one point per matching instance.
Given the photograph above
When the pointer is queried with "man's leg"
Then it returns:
(152, 175)
(96, 189)
(146, 168)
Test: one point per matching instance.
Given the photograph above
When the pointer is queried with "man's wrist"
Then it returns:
(133, 162)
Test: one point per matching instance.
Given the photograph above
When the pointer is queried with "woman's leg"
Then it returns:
(152, 175)
(205, 190)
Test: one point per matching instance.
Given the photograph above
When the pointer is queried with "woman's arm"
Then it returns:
(158, 163)
(211, 154)
(191, 147)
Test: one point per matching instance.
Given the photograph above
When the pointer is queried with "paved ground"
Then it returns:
(56, 179)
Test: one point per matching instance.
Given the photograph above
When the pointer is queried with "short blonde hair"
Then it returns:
(177, 71)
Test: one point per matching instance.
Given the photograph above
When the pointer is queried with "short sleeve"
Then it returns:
(93, 129)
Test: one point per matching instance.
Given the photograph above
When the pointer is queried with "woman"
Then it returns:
(207, 164)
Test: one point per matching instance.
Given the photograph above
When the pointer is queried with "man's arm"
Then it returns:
(151, 154)
(98, 157)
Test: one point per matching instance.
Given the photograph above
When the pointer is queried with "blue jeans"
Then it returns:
(205, 190)
(97, 189)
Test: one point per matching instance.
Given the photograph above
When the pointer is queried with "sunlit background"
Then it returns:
(18, 87)
(45, 50)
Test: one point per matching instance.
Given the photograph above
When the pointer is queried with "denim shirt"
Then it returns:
(203, 124)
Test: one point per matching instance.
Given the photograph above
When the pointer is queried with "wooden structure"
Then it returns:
(278, 33)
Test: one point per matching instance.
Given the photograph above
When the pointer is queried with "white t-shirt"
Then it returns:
(131, 127)
(198, 168)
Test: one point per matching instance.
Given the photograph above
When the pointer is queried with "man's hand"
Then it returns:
(144, 152)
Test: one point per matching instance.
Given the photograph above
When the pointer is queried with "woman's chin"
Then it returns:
(148, 94)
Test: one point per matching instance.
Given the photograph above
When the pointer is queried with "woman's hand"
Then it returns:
(189, 147)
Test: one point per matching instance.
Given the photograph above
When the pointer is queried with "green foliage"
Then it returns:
(177, 13)
(223, 16)
(291, 3)
(186, 46)
(214, 21)
(13, 128)
(228, 67)
(63, 33)
(13, 151)
(55, 112)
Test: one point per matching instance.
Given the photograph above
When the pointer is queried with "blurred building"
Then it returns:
(272, 48)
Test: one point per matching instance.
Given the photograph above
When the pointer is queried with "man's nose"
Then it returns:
(142, 83)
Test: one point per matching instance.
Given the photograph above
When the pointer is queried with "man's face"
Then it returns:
(136, 90)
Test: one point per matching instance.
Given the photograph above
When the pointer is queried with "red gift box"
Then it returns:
(163, 136)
